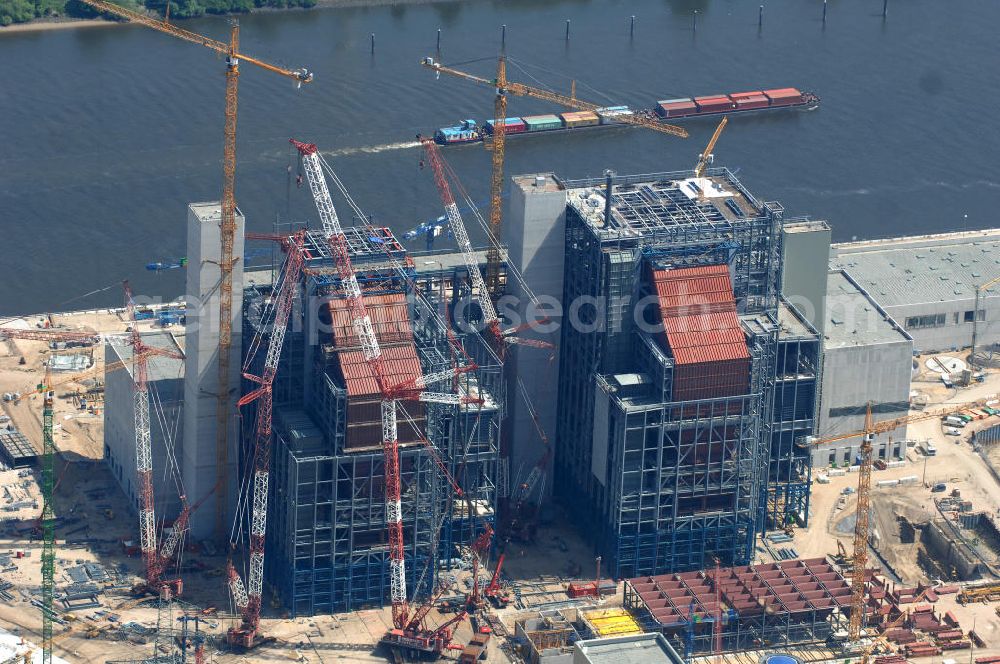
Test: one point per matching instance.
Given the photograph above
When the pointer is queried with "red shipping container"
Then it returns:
(738, 95)
(713, 103)
(676, 109)
(784, 96)
(759, 101)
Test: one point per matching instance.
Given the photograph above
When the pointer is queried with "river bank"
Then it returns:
(64, 22)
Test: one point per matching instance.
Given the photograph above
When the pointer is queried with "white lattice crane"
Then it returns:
(457, 226)
(248, 599)
(408, 627)
(152, 559)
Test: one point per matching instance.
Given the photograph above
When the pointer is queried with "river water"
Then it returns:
(107, 133)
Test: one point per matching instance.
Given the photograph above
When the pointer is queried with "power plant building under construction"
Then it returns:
(668, 416)
(327, 538)
(685, 379)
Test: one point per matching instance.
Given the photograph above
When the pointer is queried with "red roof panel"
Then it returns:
(698, 311)
(400, 363)
(389, 314)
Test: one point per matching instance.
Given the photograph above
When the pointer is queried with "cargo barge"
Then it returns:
(667, 110)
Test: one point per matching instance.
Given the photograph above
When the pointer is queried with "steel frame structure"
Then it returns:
(659, 506)
(327, 520)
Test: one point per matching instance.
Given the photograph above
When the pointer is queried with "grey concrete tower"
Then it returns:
(535, 234)
(199, 462)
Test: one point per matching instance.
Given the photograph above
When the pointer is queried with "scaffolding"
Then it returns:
(669, 484)
(327, 522)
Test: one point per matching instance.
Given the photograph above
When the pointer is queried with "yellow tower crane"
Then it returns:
(860, 553)
(980, 289)
(504, 87)
(227, 226)
(705, 158)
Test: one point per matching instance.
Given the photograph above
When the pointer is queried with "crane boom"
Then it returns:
(523, 90)
(49, 335)
(706, 156)
(227, 225)
(143, 449)
(48, 525)
(220, 47)
(407, 626)
(458, 230)
(246, 633)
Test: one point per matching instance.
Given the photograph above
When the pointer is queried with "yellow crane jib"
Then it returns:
(706, 157)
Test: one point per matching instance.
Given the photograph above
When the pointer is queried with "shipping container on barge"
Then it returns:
(756, 101)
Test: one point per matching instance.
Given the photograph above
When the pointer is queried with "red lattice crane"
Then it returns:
(457, 226)
(50, 335)
(154, 562)
(248, 599)
(408, 630)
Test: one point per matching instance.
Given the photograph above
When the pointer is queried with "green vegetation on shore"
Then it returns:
(22, 11)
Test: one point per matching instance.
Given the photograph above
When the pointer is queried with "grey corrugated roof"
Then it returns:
(158, 367)
(939, 268)
(853, 319)
(638, 649)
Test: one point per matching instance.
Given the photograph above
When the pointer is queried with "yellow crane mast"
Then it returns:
(227, 227)
(861, 528)
(504, 87)
(980, 289)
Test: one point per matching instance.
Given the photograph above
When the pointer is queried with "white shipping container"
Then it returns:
(909, 479)
(886, 483)
(836, 472)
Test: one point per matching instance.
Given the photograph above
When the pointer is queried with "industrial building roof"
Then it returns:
(636, 649)
(787, 587)
(792, 324)
(853, 318)
(158, 367)
(930, 268)
(642, 204)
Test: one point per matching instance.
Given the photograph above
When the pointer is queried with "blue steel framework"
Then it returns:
(623, 461)
(326, 525)
(796, 404)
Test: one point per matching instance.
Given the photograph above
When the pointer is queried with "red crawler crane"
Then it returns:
(409, 631)
(248, 600)
(154, 560)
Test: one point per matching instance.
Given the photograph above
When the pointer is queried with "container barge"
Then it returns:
(667, 110)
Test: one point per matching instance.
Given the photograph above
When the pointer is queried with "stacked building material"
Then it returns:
(921, 649)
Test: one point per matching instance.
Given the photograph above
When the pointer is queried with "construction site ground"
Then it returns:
(95, 518)
(956, 464)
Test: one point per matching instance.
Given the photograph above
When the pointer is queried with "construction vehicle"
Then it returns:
(227, 227)
(248, 599)
(859, 555)
(409, 632)
(504, 87)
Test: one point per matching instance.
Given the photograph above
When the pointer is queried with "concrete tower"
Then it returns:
(198, 465)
